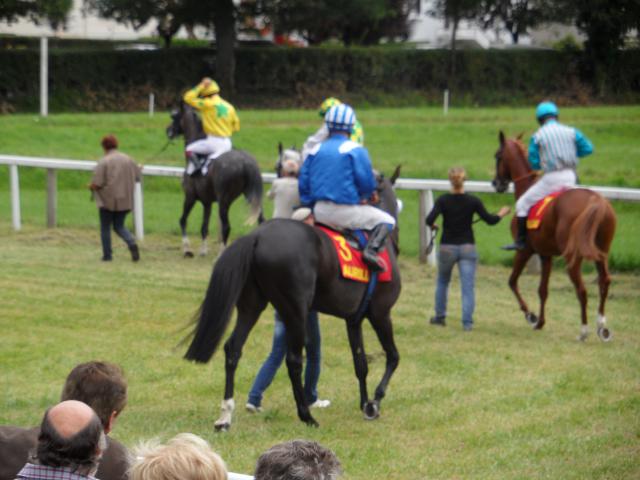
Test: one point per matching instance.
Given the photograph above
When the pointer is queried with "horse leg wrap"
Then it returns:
(602, 321)
(226, 413)
(584, 333)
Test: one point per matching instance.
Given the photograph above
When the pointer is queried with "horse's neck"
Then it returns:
(192, 127)
(521, 174)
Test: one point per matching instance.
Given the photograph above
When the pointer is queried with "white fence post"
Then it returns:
(152, 106)
(15, 197)
(138, 221)
(422, 228)
(52, 198)
(446, 102)
(44, 76)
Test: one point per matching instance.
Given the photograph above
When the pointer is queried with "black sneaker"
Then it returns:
(438, 321)
(135, 253)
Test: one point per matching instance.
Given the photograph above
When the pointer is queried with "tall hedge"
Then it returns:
(112, 80)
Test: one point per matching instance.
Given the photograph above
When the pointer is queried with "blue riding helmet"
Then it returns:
(340, 118)
(546, 109)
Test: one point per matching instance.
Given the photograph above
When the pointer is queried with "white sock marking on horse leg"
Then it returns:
(226, 407)
(584, 332)
(602, 321)
(204, 248)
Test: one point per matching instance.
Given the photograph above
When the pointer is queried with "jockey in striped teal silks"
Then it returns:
(554, 149)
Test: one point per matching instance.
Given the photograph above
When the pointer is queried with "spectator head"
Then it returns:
(109, 142)
(102, 386)
(298, 460)
(290, 168)
(185, 457)
(70, 436)
(457, 176)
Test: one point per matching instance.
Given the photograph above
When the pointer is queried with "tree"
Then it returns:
(363, 22)
(54, 12)
(517, 16)
(453, 11)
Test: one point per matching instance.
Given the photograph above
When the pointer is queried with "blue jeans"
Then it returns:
(107, 218)
(278, 354)
(466, 257)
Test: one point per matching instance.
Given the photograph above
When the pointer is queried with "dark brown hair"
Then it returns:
(80, 452)
(101, 385)
(298, 460)
(109, 142)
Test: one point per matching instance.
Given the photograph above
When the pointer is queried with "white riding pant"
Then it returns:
(351, 216)
(549, 182)
(211, 146)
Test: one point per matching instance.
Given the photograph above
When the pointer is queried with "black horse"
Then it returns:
(231, 174)
(294, 267)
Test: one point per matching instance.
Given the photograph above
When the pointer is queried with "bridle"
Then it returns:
(514, 180)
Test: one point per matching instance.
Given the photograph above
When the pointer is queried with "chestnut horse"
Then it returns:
(578, 224)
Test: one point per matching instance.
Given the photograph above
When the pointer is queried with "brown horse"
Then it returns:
(578, 224)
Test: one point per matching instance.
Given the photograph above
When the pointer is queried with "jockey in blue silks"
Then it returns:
(337, 180)
(554, 149)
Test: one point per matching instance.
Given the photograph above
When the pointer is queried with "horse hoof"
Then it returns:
(188, 254)
(604, 334)
(222, 427)
(371, 411)
(312, 423)
(531, 318)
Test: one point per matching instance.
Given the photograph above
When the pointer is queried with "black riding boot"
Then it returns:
(521, 238)
(374, 245)
(135, 252)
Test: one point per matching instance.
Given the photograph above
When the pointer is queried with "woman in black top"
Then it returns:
(458, 245)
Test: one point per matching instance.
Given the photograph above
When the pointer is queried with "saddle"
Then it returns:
(537, 211)
(349, 245)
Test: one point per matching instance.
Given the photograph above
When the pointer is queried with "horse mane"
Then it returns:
(517, 142)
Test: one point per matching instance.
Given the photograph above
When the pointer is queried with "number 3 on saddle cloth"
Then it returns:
(537, 211)
(352, 266)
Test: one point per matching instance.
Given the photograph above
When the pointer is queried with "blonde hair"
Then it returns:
(184, 457)
(457, 176)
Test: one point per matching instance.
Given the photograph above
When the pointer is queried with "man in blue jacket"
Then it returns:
(554, 149)
(338, 181)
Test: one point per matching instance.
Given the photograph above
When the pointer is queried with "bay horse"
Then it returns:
(294, 266)
(231, 174)
(579, 224)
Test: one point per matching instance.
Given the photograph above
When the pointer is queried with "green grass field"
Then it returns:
(501, 402)
(423, 141)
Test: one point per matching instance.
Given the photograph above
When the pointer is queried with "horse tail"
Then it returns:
(253, 189)
(582, 235)
(227, 281)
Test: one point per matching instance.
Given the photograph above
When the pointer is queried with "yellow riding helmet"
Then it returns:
(211, 89)
(327, 104)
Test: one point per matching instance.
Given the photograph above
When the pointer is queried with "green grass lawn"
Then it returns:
(501, 402)
(422, 140)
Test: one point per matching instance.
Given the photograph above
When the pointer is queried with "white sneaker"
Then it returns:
(251, 408)
(320, 404)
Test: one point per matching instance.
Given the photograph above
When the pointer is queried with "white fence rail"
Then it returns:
(425, 189)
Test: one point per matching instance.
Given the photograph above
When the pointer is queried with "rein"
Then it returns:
(523, 177)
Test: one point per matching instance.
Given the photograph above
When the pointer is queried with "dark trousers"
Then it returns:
(107, 218)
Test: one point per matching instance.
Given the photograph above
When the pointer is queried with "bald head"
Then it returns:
(71, 435)
(70, 417)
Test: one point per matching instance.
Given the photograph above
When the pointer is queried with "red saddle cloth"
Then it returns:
(352, 266)
(537, 211)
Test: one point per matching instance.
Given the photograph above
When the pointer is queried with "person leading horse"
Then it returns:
(555, 149)
(337, 180)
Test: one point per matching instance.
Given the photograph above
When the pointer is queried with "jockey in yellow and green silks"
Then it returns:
(219, 119)
(356, 134)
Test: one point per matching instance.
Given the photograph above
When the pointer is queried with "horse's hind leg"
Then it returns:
(225, 227)
(543, 289)
(604, 280)
(519, 262)
(384, 331)
(581, 292)
(250, 305)
(189, 202)
(204, 230)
